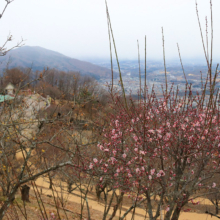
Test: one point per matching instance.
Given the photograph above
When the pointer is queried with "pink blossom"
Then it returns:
(142, 152)
(95, 160)
(159, 131)
(115, 136)
(138, 170)
(168, 209)
(151, 131)
(90, 166)
(197, 124)
(168, 135)
(203, 138)
(129, 175)
(124, 155)
(154, 136)
(162, 173)
(100, 146)
(159, 136)
(183, 126)
(135, 138)
(152, 171)
(158, 175)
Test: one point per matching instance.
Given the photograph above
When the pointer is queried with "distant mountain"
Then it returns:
(39, 58)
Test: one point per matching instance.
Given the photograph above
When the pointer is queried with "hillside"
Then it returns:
(39, 58)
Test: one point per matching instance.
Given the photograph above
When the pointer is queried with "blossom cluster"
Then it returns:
(159, 145)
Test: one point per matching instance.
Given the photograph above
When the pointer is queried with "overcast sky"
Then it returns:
(78, 28)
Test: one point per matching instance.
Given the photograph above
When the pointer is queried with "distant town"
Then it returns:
(156, 76)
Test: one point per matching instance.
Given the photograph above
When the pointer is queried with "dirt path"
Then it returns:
(94, 205)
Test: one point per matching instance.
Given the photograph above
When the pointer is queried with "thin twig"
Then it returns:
(139, 67)
(182, 63)
(164, 60)
(119, 69)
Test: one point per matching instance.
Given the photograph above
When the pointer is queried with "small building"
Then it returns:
(10, 89)
(5, 98)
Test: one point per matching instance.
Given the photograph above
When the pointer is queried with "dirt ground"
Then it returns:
(73, 206)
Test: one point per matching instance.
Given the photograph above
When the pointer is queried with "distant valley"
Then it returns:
(39, 58)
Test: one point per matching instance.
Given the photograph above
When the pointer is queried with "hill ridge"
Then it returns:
(38, 58)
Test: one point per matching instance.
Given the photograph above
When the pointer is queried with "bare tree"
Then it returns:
(3, 49)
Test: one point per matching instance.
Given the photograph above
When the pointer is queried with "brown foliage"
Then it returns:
(47, 89)
(14, 76)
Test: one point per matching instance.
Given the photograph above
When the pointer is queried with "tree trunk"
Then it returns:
(176, 214)
(25, 193)
(216, 207)
(119, 201)
(51, 183)
(70, 183)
